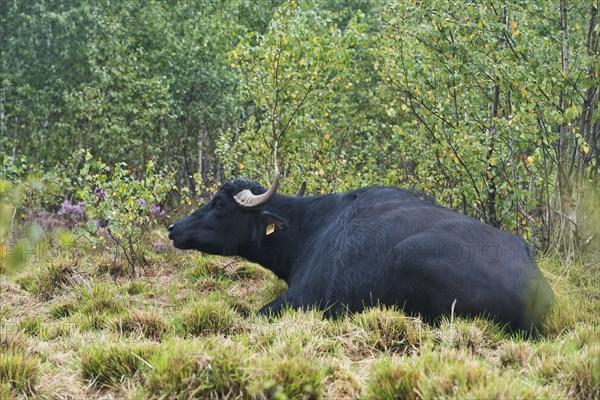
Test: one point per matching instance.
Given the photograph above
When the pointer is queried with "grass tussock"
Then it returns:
(514, 354)
(447, 373)
(146, 324)
(136, 287)
(295, 333)
(475, 335)
(31, 326)
(111, 366)
(205, 317)
(96, 306)
(12, 341)
(58, 275)
(290, 378)
(19, 373)
(183, 371)
(383, 329)
(581, 375)
(63, 309)
(393, 380)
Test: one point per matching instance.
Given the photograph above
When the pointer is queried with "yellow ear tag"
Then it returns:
(270, 228)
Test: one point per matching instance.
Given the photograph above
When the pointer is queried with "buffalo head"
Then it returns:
(235, 219)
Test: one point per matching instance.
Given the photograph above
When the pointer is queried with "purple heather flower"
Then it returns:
(157, 211)
(100, 193)
(74, 213)
(158, 246)
(142, 203)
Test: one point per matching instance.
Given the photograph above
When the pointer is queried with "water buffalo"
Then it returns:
(376, 245)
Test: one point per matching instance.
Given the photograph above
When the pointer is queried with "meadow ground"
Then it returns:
(76, 325)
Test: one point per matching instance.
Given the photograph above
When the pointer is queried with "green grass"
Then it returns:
(186, 328)
(19, 373)
(205, 317)
(111, 365)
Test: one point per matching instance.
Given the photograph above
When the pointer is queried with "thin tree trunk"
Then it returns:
(588, 128)
(200, 158)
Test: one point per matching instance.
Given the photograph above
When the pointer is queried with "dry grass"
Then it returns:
(186, 328)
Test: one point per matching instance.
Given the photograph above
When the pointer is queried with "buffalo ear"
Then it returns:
(271, 223)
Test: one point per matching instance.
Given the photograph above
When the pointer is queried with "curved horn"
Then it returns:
(246, 199)
(301, 190)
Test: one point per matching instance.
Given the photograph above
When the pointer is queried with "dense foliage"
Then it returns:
(491, 108)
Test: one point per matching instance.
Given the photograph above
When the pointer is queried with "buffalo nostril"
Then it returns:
(170, 228)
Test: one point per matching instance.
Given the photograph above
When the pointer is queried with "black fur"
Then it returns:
(377, 245)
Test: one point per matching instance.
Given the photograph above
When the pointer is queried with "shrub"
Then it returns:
(126, 204)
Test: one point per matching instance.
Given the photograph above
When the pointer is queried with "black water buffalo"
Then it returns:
(376, 245)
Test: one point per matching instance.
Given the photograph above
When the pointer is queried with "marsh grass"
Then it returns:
(386, 330)
(31, 326)
(447, 373)
(147, 324)
(180, 371)
(111, 365)
(19, 373)
(52, 278)
(187, 329)
(205, 316)
(475, 335)
(290, 377)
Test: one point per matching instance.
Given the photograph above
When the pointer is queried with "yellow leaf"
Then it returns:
(316, 39)
(513, 25)
(327, 137)
(242, 166)
(585, 149)
(492, 161)
(404, 107)
(530, 159)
